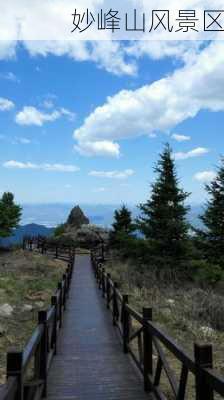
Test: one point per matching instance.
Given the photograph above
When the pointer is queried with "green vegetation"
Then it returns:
(212, 238)
(168, 245)
(59, 230)
(163, 216)
(27, 282)
(10, 214)
(122, 227)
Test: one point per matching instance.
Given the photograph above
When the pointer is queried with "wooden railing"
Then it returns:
(149, 346)
(41, 243)
(27, 371)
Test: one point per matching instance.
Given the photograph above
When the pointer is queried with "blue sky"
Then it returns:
(57, 145)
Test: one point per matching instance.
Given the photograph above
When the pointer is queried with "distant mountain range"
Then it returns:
(41, 219)
(30, 230)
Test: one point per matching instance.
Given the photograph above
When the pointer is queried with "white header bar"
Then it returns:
(111, 20)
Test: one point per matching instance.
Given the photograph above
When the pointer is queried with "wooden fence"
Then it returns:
(27, 371)
(147, 344)
(41, 243)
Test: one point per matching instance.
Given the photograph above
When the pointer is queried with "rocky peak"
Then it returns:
(77, 218)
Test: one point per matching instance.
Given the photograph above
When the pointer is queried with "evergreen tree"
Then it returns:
(213, 219)
(10, 214)
(163, 216)
(123, 221)
(122, 226)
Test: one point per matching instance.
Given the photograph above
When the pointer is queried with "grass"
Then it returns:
(186, 312)
(26, 279)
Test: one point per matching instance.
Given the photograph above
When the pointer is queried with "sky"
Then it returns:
(84, 122)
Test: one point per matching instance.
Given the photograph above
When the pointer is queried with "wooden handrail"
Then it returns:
(32, 345)
(42, 345)
(149, 337)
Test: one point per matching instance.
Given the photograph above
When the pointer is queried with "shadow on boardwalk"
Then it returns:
(89, 363)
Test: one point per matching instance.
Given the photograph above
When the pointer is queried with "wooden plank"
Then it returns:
(90, 363)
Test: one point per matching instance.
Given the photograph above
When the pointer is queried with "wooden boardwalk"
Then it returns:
(89, 364)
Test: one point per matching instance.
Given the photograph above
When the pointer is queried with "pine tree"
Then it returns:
(122, 226)
(163, 217)
(213, 219)
(123, 221)
(10, 214)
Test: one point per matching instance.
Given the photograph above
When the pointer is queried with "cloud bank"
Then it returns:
(160, 106)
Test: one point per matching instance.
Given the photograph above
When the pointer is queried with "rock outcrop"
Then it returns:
(77, 218)
(81, 232)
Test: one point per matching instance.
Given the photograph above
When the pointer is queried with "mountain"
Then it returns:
(29, 230)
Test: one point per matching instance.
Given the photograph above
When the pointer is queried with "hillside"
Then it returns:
(29, 230)
(27, 282)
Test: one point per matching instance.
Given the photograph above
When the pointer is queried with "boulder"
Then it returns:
(27, 307)
(2, 330)
(6, 310)
(39, 304)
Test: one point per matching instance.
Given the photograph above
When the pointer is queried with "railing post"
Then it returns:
(42, 319)
(56, 252)
(64, 291)
(115, 307)
(69, 274)
(60, 304)
(100, 276)
(103, 252)
(203, 359)
(31, 245)
(54, 333)
(103, 283)
(126, 327)
(108, 290)
(15, 368)
(147, 348)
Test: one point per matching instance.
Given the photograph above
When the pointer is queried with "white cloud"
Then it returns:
(205, 176)
(22, 140)
(158, 49)
(12, 164)
(71, 115)
(112, 174)
(10, 76)
(99, 190)
(180, 138)
(197, 152)
(48, 103)
(162, 105)
(109, 55)
(32, 116)
(5, 104)
(7, 49)
(98, 148)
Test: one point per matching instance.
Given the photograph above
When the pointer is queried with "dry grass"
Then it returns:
(26, 279)
(187, 313)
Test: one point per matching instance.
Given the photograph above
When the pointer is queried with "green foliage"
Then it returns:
(212, 238)
(10, 214)
(163, 216)
(59, 230)
(204, 272)
(122, 227)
